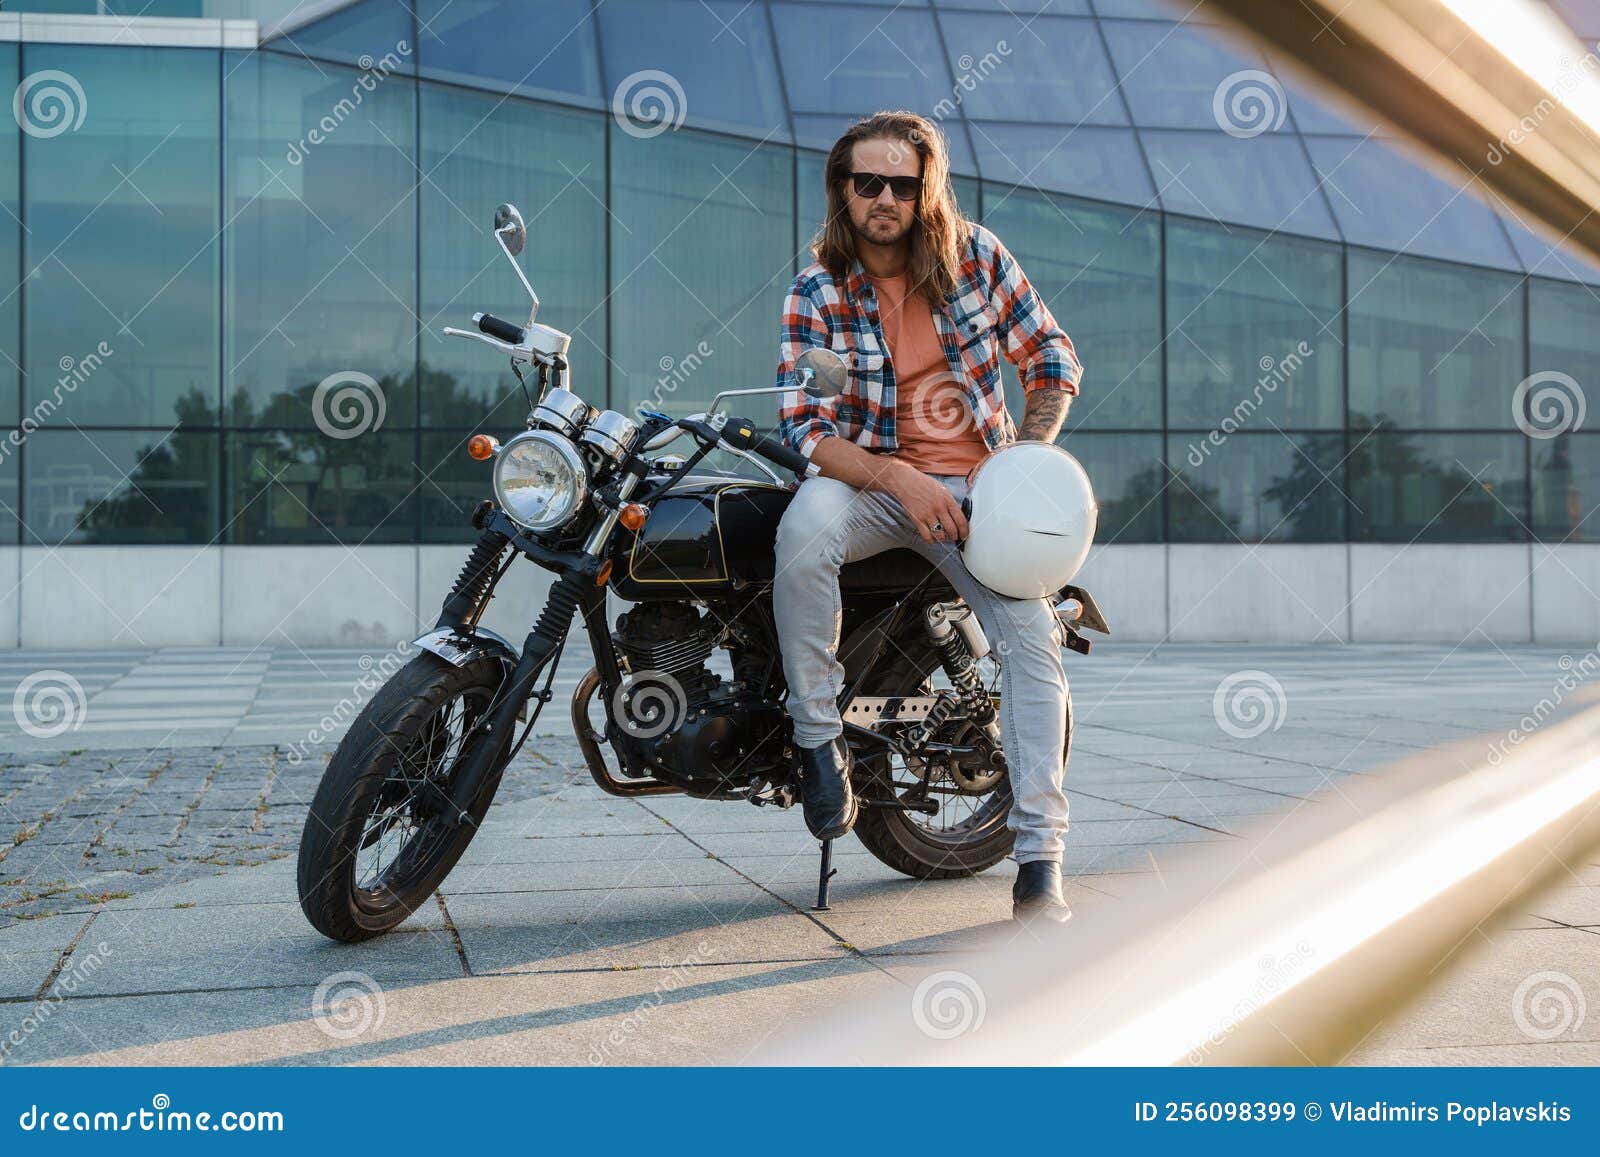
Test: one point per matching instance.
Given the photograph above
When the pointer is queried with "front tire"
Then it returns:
(377, 795)
(904, 840)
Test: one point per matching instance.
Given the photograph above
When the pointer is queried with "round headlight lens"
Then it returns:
(539, 480)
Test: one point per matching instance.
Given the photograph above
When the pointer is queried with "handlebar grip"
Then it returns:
(741, 434)
(775, 450)
(495, 327)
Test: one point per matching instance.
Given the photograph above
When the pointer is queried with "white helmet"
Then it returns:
(1031, 521)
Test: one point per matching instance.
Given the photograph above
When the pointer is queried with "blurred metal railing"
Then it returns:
(1500, 89)
(1284, 948)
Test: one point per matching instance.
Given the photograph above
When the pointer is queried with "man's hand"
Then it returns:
(926, 501)
(933, 510)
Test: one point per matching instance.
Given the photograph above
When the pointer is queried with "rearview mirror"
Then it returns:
(509, 228)
(821, 373)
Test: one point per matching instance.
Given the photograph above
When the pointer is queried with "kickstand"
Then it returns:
(827, 873)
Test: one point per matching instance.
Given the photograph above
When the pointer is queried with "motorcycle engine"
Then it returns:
(711, 737)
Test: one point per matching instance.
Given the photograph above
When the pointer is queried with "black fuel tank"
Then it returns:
(707, 538)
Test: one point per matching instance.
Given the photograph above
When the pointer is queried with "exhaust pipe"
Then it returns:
(589, 744)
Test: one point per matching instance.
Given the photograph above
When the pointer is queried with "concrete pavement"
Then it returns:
(586, 929)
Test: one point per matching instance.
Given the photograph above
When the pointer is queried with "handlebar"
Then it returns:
(496, 327)
(741, 434)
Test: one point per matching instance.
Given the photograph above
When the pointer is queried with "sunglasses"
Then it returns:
(870, 186)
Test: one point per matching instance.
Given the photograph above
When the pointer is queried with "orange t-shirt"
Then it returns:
(933, 420)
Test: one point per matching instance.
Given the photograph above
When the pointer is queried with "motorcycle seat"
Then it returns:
(893, 570)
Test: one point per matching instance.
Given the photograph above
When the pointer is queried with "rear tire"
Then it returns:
(395, 739)
(896, 837)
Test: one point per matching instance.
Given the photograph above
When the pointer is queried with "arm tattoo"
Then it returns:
(1043, 415)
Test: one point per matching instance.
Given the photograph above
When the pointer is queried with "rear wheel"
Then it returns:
(969, 833)
(376, 844)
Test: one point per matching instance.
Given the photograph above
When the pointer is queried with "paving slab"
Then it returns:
(632, 927)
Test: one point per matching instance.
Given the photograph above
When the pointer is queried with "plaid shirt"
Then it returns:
(992, 306)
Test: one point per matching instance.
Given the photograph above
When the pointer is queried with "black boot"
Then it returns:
(830, 806)
(1037, 893)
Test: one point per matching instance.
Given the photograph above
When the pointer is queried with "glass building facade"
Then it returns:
(1292, 333)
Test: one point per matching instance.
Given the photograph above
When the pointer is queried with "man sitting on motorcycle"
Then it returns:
(920, 301)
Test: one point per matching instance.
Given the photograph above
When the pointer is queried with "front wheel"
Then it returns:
(969, 835)
(376, 843)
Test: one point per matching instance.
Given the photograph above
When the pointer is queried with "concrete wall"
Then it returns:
(312, 596)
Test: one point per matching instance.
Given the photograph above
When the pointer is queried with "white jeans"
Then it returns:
(828, 524)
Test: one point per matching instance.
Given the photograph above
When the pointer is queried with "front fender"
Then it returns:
(459, 650)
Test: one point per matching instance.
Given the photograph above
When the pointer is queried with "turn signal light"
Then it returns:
(604, 575)
(633, 515)
(481, 447)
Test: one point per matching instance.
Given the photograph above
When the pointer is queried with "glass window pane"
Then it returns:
(1026, 7)
(1088, 161)
(1438, 488)
(363, 34)
(454, 487)
(707, 61)
(838, 61)
(1254, 337)
(1566, 488)
(466, 41)
(1564, 330)
(300, 486)
(479, 151)
(1541, 257)
(1030, 68)
(1384, 200)
(1099, 271)
(1128, 474)
(10, 249)
(1432, 345)
(698, 322)
(121, 486)
(820, 131)
(1262, 181)
(10, 476)
(1251, 487)
(1171, 72)
(322, 248)
(122, 216)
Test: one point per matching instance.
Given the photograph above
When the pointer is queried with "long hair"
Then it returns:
(939, 232)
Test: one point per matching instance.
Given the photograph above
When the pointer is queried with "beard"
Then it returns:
(882, 230)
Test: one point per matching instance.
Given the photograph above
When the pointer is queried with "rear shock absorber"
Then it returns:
(959, 665)
(472, 584)
(955, 656)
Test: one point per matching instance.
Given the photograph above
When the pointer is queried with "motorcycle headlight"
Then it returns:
(540, 480)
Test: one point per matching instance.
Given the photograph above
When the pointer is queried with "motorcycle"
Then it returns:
(588, 495)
